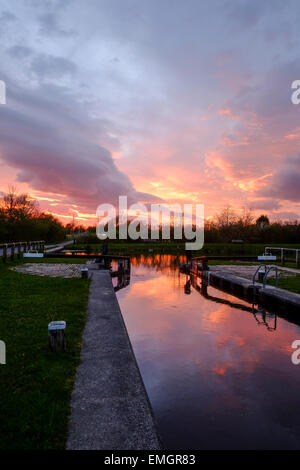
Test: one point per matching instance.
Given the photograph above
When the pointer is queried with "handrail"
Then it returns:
(267, 272)
(254, 275)
(9, 250)
(9, 244)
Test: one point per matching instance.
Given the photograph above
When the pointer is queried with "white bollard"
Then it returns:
(57, 336)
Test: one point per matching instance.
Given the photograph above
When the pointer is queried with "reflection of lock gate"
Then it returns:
(202, 289)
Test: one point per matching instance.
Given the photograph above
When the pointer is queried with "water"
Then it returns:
(216, 376)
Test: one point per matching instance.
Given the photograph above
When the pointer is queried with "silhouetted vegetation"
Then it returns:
(226, 227)
(21, 220)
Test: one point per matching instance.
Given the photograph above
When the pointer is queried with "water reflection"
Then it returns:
(121, 280)
(260, 314)
(216, 379)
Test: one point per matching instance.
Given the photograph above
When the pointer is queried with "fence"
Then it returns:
(284, 254)
(16, 248)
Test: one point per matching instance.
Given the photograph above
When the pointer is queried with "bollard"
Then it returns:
(57, 336)
(84, 273)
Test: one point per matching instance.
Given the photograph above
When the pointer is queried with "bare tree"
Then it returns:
(226, 218)
(18, 206)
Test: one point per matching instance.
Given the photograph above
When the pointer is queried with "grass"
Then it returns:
(35, 384)
(222, 249)
(291, 283)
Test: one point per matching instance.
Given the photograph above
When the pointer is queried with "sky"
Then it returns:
(160, 100)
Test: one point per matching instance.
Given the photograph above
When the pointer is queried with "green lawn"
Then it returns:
(35, 384)
(289, 283)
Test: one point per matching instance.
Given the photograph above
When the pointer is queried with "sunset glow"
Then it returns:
(195, 107)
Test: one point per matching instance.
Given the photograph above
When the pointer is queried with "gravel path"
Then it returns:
(51, 270)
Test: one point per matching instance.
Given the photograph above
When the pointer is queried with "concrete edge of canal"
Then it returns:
(110, 408)
(270, 296)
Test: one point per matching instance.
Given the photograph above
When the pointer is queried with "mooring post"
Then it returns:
(84, 273)
(57, 336)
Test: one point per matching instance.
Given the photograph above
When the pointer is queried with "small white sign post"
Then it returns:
(57, 336)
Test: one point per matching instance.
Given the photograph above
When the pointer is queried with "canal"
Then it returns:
(218, 375)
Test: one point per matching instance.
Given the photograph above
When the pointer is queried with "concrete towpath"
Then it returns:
(57, 247)
(110, 409)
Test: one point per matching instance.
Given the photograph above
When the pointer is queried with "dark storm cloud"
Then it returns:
(43, 134)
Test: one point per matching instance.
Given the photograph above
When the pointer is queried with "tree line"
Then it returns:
(228, 226)
(22, 220)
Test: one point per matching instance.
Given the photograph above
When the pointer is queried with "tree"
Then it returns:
(226, 217)
(18, 206)
(21, 220)
(262, 221)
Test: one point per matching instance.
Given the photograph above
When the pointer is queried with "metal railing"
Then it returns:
(17, 248)
(258, 270)
(267, 272)
(283, 252)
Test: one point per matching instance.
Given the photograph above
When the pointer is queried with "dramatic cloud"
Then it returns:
(44, 134)
(285, 182)
(186, 101)
(264, 204)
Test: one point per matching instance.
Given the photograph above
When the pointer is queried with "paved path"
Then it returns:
(110, 407)
(57, 247)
